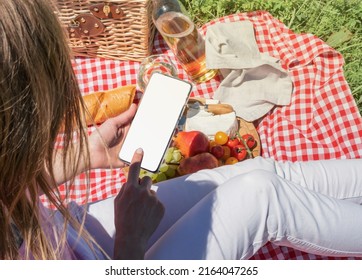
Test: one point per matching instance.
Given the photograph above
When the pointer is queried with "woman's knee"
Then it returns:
(259, 183)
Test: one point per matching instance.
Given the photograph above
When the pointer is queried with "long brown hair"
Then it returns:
(38, 94)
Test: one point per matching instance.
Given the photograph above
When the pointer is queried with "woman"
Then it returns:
(39, 95)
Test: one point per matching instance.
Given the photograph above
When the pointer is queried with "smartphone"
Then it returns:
(153, 126)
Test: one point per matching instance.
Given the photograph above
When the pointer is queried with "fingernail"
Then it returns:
(139, 151)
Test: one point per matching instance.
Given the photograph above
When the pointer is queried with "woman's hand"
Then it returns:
(106, 141)
(138, 212)
(104, 146)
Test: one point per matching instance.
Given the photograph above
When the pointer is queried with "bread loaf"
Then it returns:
(103, 105)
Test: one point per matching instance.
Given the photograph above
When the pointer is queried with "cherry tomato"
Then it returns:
(217, 151)
(249, 140)
(212, 143)
(227, 152)
(231, 160)
(239, 152)
(232, 142)
(221, 137)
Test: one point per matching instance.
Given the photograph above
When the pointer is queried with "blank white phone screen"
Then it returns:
(153, 126)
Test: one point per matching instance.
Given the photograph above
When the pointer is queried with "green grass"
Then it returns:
(337, 22)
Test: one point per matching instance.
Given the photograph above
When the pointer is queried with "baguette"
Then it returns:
(103, 105)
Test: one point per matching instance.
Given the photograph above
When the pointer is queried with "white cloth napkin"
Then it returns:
(253, 82)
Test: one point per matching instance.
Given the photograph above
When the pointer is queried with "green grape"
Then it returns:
(168, 154)
(164, 168)
(171, 172)
(143, 173)
(176, 156)
(173, 166)
(154, 177)
(150, 174)
(161, 177)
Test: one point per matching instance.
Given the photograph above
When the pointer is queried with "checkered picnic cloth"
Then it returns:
(322, 121)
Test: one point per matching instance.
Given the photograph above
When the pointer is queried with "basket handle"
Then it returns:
(85, 25)
(106, 10)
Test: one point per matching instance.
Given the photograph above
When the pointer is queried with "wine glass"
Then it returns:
(158, 63)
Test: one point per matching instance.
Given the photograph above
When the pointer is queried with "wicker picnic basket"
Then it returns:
(117, 29)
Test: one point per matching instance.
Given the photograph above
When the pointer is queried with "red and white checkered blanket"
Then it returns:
(322, 121)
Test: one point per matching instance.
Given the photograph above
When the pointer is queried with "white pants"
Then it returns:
(232, 211)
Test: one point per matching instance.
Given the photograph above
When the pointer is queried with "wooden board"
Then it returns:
(244, 126)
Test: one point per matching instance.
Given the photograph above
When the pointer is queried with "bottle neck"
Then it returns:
(163, 6)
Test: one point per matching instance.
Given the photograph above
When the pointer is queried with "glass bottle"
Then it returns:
(183, 38)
